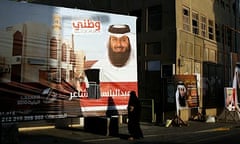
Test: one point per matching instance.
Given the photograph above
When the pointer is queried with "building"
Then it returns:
(180, 37)
(25, 59)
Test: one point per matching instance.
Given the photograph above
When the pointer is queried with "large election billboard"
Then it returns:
(58, 62)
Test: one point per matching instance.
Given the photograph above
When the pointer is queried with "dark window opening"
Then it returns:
(155, 18)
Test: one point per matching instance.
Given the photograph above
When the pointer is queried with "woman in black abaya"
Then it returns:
(134, 113)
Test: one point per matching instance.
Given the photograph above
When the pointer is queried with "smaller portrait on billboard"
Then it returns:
(229, 98)
(181, 96)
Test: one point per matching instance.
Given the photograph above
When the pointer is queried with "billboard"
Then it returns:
(182, 90)
(58, 62)
(229, 97)
(189, 86)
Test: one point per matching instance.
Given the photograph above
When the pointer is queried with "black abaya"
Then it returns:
(134, 113)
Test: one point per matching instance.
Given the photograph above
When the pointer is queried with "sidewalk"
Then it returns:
(75, 134)
(149, 128)
(192, 126)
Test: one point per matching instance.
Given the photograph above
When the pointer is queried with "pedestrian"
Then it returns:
(134, 114)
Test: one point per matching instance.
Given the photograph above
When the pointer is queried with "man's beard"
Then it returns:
(119, 59)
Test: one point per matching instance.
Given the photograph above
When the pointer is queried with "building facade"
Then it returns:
(180, 37)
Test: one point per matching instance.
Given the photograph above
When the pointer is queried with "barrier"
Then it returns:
(148, 110)
(108, 126)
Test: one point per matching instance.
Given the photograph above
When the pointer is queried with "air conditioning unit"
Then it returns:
(16, 60)
(1, 69)
(7, 70)
(4, 69)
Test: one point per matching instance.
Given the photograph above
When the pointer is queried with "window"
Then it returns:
(53, 48)
(186, 21)
(210, 30)
(153, 49)
(228, 7)
(239, 20)
(64, 52)
(153, 65)
(138, 14)
(17, 43)
(222, 4)
(229, 38)
(63, 73)
(203, 26)
(154, 18)
(195, 23)
(218, 33)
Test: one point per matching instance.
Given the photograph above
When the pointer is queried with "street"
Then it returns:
(195, 133)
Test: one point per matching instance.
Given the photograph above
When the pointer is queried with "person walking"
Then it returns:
(134, 114)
